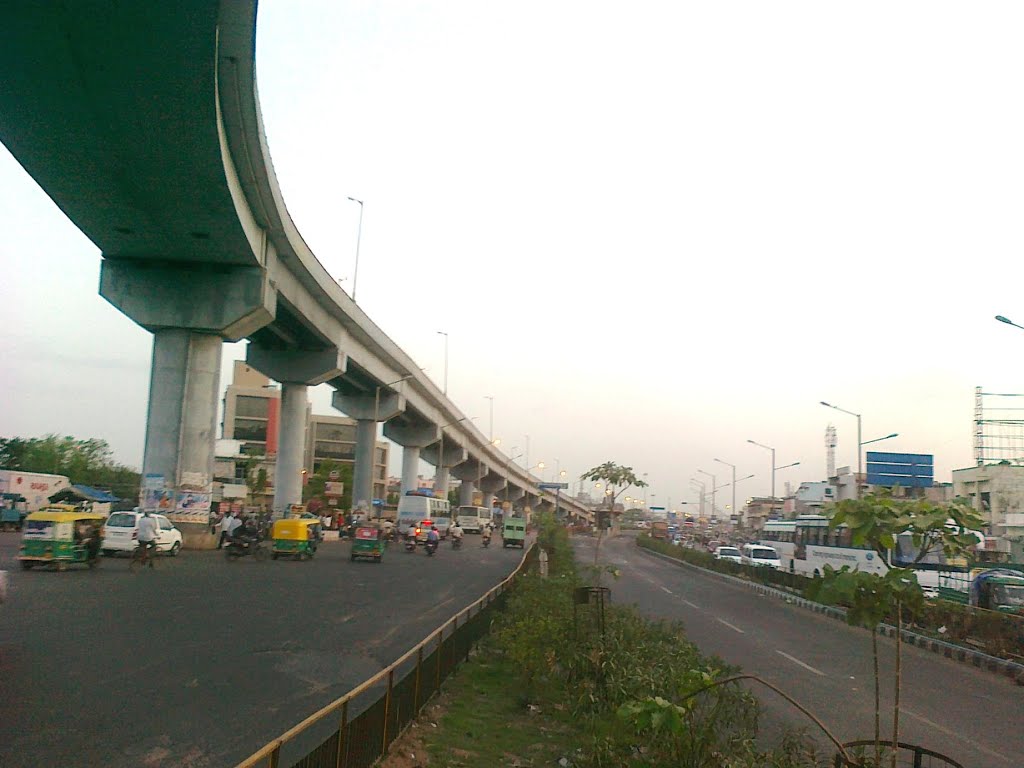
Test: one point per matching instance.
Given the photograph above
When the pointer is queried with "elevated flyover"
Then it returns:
(142, 122)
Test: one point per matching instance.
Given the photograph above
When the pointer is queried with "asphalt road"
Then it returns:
(201, 661)
(975, 717)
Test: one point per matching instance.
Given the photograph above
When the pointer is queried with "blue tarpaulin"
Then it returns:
(84, 493)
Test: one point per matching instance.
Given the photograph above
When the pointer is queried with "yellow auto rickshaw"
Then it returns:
(295, 537)
(59, 535)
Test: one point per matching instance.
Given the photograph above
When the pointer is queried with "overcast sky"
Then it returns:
(652, 230)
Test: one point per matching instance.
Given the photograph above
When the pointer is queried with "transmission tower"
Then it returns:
(830, 450)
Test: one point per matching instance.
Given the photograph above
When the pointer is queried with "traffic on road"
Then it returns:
(204, 654)
(824, 664)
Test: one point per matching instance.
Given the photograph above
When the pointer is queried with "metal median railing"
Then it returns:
(365, 721)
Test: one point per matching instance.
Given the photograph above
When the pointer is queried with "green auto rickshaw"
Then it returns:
(368, 541)
(61, 535)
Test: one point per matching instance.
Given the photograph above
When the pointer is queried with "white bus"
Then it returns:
(806, 544)
(417, 506)
(473, 519)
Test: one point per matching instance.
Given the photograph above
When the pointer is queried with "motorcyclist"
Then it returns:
(432, 536)
(486, 532)
(456, 533)
(247, 533)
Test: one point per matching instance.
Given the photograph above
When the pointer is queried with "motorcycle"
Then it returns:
(410, 543)
(486, 541)
(236, 548)
(431, 547)
(456, 542)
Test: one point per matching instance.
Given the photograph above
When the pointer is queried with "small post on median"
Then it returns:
(543, 564)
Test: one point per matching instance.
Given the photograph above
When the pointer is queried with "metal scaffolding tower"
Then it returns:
(998, 427)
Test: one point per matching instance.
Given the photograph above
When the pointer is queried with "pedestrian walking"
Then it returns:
(226, 526)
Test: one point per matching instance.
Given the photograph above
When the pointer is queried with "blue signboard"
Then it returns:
(907, 470)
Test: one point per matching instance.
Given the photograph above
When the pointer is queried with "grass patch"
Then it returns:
(485, 722)
(554, 686)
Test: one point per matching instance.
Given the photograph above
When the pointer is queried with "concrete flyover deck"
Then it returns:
(142, 122)
(202, 661)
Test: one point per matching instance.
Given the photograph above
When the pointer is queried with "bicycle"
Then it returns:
(143, 555)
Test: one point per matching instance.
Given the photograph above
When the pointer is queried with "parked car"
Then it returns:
(728, 553)
(121, 533)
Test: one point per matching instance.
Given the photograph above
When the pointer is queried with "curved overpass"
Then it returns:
(142, 122)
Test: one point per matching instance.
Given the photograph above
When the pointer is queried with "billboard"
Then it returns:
(907, 470)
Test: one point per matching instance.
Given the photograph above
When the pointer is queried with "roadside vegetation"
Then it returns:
(87, 462)
(561, 682)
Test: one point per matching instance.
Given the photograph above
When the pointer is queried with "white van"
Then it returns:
(758, 554)
(473, 519)
(415, 507)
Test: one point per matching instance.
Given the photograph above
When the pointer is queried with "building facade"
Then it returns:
(996, 491)
(252, 419)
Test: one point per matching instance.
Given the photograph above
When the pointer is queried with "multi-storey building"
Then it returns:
(252, 417)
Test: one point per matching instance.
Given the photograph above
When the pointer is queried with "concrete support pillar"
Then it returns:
(410, 468)
(441, 481)
(362, 473)
(466, 493)
(413, 437)
(181, 423)
(367, 411)
(290, 447)
(488, 500)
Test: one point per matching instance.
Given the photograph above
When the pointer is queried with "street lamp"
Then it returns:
(769, 448)
(733, 482)
(490, 434)
(509, 461)
(445, 334)
(880, 439)
(703, 493)
(359, 237)
(774, 468)
(714, 482)
(1006, 320)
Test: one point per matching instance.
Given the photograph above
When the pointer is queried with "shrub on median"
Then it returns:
(613, 681)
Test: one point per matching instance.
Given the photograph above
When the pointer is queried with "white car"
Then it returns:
(121, 533)
(728, 553)
(758, 554)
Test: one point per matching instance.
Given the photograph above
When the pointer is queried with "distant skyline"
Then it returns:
(651, 232)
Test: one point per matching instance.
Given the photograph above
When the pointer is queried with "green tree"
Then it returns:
(618, 479)
(315, 483)
(85, 462)
(255, 477)
(881, 523)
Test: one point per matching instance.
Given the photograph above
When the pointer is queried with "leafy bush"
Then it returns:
(629, 685)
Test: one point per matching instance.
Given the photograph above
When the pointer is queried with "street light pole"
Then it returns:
(733, 482)
(714, 489)
(359, 238)
(768, 447)
(445, 334)
(490, 434)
